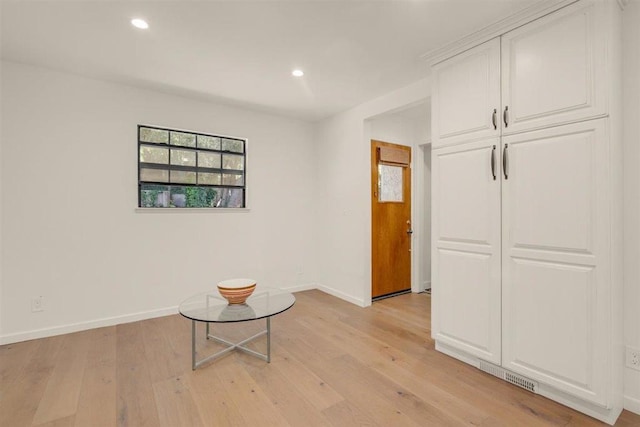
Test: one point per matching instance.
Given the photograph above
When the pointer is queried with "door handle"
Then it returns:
(409, 230)
(505, 116)
(493, 162)
(505, 163)
(494, 119)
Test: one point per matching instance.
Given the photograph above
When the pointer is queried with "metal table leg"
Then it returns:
(268, 339)
(193, 345)
(230, 345)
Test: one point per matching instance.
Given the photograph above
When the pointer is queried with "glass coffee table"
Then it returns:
(211, 307)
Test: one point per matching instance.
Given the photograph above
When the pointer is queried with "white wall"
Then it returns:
(71, 232)
(425, 213)
(343, 158)
(394, 128)
(1, 239)
(411, 127)
(343, 153)
(631, 135)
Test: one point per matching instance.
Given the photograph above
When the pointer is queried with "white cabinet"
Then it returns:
(554, 70)
(466, 95)
(525, 270)
(466, 239)
(549, 72)
(555, 267)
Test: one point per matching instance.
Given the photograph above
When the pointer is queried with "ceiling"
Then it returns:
(243, 52)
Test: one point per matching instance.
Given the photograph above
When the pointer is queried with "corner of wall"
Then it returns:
(343, 193)
(631, 188)
(343, 296)
(632, 404)
(1, 197)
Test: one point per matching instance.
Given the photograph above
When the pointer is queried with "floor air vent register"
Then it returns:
(508, 376)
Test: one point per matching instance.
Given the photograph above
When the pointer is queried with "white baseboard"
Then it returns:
(143, 315)
(608, 416)
(632, 404)
(327, 290)
(300, 288)
(83, 326)
(426, 284)
(341, 295)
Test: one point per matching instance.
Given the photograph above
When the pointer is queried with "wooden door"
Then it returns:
(466, 248)
(554, 70)
(556, 268)
(390, 218)
(466, 96)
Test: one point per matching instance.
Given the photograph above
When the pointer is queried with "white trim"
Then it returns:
(177, 129)
(603, 414)
(632, 404)
(300, 288)
(192, 210)
(607, 415)
(417, 216)
(457, 354)
(357, 301)
(367, 283)
(494, 30)
(399, 109)
(83, 326)
(416, 225)
(247, 203)
(144, 315)
(421, 242)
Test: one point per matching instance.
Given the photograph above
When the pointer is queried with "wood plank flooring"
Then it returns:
(333, 364)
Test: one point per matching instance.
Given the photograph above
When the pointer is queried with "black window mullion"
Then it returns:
(197, 169)
(164, 166)
(197, 174)
(139, 184)
(181, 147)
(244, 177)
(165, 184)
(169, 144)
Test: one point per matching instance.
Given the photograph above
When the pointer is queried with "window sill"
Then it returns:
(192, 210)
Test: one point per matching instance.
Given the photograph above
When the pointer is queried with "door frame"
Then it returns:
(376, 145)
(423, 233)
(417, 171)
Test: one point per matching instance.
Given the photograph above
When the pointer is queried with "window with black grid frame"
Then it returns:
(184, 169)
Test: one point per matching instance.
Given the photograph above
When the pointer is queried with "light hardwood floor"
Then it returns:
(332, 364)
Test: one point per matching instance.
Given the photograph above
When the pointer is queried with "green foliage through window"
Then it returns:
(179, 169)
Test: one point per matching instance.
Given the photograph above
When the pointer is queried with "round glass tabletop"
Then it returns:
(212, 307)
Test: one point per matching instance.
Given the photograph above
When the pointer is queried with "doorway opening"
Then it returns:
(390, 219)
(408, 126)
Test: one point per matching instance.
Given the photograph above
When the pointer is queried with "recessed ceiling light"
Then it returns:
(139, 23)
(297, 73)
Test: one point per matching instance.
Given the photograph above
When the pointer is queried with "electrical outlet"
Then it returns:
(633, 358)
(37, 304)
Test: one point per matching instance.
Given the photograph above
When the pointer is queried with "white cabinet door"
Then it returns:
(466, 248)
(555, 268)
(466, 91)
(553, 70)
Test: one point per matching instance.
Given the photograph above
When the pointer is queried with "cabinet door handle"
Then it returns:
(493, 162)
(494, 119)
(505, 164)
(505, 116)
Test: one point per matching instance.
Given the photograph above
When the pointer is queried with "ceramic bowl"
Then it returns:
(236, 291)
